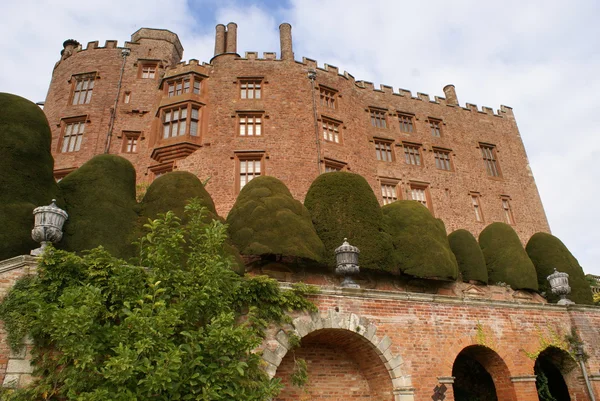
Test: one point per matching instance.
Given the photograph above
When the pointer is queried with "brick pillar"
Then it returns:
(285, 40)
(524, 388)
(231, 41)
(220, 39)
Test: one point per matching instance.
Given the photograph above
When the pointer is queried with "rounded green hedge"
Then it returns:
(471, 262)
(506, 259)
(100, 199)
(548, 253)
(27, 165)
(267, 220)
(343, 205)
(421, 247)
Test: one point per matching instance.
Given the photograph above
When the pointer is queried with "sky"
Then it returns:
(541, 57)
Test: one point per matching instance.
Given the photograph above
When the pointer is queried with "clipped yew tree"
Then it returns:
(548, 253)
(421, 247)
(506, 259)
(27, 167)
(343, 205)
(266, 220)
(100, 199)
(471, 263)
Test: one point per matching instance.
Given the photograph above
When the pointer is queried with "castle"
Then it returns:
(238, 117)
(393, 339)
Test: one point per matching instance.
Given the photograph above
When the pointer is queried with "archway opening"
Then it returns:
(550, 367)
(481, 375)
(341, 365)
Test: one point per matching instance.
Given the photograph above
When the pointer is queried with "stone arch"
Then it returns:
(493, 365)
(351, 330)
(560, 369)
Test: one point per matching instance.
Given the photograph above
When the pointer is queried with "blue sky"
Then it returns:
(540, 57)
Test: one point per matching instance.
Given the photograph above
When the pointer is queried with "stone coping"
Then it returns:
(17, 262)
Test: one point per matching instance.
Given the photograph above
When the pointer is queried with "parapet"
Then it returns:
(158, 34)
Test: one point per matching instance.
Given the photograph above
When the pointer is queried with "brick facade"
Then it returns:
(291, 145)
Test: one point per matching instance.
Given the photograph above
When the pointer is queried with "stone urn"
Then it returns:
(49, 221)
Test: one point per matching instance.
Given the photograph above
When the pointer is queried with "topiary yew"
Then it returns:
(267, 220)
(100, 199)
(421, 247)
(506, 259)
(548, 253)
(27, 165)
(343, 205)
(469, 257)
(172, 192)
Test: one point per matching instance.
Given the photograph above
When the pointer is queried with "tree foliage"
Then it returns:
(506, 259)
(267, 220)
(182, 327)
(100, 199)
(421, 248)
(343, 205)
(471, 262)
(27, 165)
(548, 253)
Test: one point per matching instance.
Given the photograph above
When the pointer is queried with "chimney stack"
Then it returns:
(450, 93)
(220, 39)
(285, 38)
(231, 38)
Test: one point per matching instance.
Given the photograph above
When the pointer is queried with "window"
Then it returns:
(183, 85)
(249, 167)
(420, 192)
(508, 214)
(489, 158)
(476, 202)
(250, 124)
(332, 165)
(378, 118)
(72, 136)
(148, 71)
(130, 142)
(412, 154)
(328, 97)
(442, 159)
(406, 122)
(82, 92)
(436, 128)
(388, 192)
(331, 131)
(383, 150)
(127, 97)
(250, 88)
(160, 169)
(177, 120)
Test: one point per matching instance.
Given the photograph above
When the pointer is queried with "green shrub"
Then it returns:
(421, 247)
(172, 192)
(471, 262)
(343, 205)
(548, 253)
(27, 165)
(100, 199)
(506, 260)
(267, 220)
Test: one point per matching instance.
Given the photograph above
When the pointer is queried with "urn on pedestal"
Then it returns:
(49, 221)
(347, 263)
(559, 283)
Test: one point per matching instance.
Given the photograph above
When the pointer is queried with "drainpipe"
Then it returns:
(579, 352)
(312, 75)
(113, 114)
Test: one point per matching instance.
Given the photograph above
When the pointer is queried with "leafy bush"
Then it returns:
(27, 180)
(471, 262)
(267, 220)
(506, 260)
(421, 248)
(548, 253)
(104, 329)
(343, 205)
(100, 199)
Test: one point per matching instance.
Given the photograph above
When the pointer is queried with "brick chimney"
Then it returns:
(220, 39)
(450, 93)
(285, 38)
(231, 38)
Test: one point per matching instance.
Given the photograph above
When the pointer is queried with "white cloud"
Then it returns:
(539, 57)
